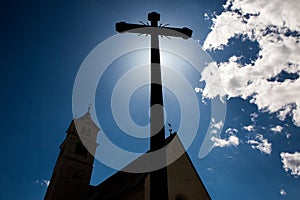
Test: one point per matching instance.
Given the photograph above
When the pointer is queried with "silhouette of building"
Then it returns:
(72, 172)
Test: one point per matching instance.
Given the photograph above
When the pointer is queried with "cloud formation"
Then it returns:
(261, 144)
(282, 192)
(274, 25)
(277, 129)
(231, 131)
(43, 182)
(249, 128)
(216, 125)
(231, 141)
(291, 162)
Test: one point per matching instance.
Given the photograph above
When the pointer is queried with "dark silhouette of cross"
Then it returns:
(158, 178)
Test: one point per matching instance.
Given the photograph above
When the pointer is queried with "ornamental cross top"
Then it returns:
(154, 18)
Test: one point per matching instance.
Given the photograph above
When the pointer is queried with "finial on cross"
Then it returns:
(154, 17)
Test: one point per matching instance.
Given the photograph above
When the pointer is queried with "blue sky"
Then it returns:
(44, 43)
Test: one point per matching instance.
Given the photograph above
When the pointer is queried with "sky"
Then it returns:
(253, 46)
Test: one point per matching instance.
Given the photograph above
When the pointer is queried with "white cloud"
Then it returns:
(214, 131)
(283, 113)
(274, 25)
(249, 128)
(197, 89)
(253, 116)
(291, 162)
(231, 131)
(277, 129)
(232, 141)
(224, 27)
(210, 169)
(213, 84)
(47, 182)
(261, 144)
(216, 125)
(282, 192)
(43, 182)
(206, 17)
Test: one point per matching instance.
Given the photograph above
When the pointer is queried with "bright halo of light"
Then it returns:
(99, 59)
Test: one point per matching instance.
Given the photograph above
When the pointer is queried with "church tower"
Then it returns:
(72, 172)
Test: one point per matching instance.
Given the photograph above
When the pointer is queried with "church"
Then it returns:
(73, 169)
(178, 180)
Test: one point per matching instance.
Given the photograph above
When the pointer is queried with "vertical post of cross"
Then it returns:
(158, 178)
(157, 130)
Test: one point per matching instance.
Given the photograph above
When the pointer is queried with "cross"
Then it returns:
(158, 178)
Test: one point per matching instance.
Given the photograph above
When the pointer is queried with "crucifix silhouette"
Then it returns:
(158, 178)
